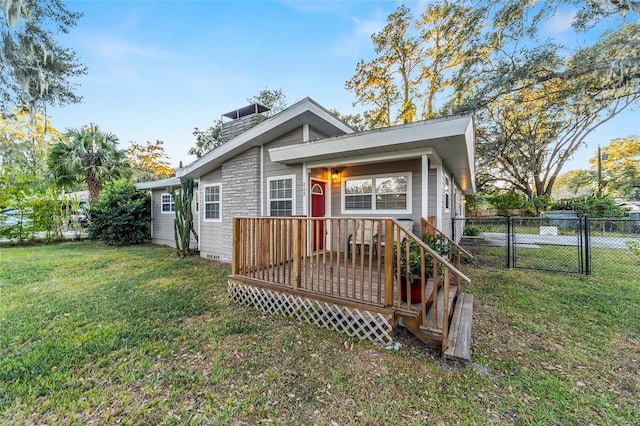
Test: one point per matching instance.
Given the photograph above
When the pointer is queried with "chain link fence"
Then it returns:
(565, 244)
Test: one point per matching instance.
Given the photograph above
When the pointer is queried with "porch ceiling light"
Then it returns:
(335, 175)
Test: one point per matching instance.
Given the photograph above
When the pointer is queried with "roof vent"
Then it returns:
(242, 119)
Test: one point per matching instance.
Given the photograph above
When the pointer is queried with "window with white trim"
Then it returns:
(281, 195)
(213, 202)
(389, 192)
(447, 192)
(167, 203)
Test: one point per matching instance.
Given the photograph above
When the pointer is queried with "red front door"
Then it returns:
(317, 210)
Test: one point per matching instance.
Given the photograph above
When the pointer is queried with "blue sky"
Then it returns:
(157, 69)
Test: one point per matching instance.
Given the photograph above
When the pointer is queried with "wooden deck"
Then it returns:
(360, 279)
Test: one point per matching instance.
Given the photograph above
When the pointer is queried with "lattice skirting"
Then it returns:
(354, 322)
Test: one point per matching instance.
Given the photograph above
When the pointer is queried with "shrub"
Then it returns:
(471, 231)
(506, 200)
(121, 216)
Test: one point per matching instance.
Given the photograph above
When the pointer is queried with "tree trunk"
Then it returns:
(94, 188)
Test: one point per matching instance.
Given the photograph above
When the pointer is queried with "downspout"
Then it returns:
(261, 180)
(305, 174)
(305, 200)
(152, 215)
(439, 200)
(425, 186)
(198, 203)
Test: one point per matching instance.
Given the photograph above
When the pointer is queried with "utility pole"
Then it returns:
(601, 157)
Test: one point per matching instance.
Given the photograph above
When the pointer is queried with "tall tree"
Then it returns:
(448, 31)
(88, 155)
(206, 140)
(416, 59)
(392, 78)
(35, 70)
(274, 99)
(527, 135)
(23, 153)
(150, 161)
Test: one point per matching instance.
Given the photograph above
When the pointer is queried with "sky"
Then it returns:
(158, 69)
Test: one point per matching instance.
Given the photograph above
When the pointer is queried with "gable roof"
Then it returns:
(306, 111)
(448, 139)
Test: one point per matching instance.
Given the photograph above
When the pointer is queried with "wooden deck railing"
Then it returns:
(427, 227)
(350, 259)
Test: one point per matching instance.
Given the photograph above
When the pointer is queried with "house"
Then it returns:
(302, 182)
(305, 161)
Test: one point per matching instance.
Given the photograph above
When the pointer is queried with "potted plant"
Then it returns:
(411, 266)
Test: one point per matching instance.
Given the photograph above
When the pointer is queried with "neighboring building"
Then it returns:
(305, 161)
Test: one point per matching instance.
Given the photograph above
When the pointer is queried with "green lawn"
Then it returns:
(136, 336)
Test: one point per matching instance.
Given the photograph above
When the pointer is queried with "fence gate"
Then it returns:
(547, 244)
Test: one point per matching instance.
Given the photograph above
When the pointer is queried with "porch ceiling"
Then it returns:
(451, 138)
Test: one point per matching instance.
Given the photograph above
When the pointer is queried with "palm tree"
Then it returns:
(88, 155)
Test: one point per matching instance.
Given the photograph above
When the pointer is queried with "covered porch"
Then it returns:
(347, 274)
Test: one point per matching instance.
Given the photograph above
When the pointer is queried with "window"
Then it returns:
(167, 203)
(390, 193)
(447, 189)
(281, 195)
(212, 202)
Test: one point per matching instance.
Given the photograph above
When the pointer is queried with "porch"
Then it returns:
(342, 273)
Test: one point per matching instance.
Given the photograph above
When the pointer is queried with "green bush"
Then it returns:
(472, 231)
(121, 216)
(591, 206)
(506, 200)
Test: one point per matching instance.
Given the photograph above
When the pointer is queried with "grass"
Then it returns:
(136, 336)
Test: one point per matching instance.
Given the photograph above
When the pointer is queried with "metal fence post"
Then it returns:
(453, 228)
(587, 246)
(508, 250)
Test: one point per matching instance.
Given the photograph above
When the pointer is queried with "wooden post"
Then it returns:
(445, 312)
(235, 255)
(388, 263)
(296, 244)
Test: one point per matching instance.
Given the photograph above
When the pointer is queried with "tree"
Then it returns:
(35, 70)
(206, 140)
(88, 155)
(515, 58)
(447, 30)
(274, 99)
(355, 121)
(392, 78)
(150, 161)
(416, 60)
(535, 105)
(620, 167)
(122, 215)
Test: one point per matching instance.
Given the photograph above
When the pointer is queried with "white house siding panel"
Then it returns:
(433, 191)
(162, 222)
(163, 228)
(272, 169)
(211, 233)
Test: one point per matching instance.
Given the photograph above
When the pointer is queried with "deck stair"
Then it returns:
(459, 338)
(459, 343)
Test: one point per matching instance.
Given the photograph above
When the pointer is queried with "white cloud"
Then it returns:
(359, 39)
(560, 22)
